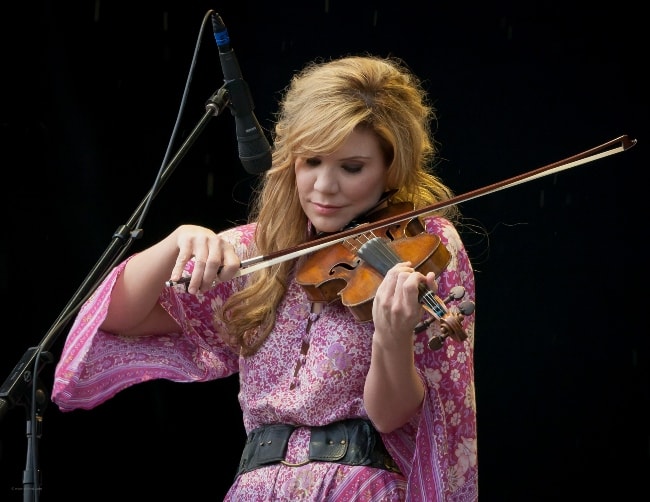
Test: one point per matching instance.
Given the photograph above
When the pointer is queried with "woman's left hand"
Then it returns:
(396, 308)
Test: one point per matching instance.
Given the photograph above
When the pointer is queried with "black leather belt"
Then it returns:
(353, 442)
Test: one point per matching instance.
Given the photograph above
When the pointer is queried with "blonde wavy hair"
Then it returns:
(321, 106)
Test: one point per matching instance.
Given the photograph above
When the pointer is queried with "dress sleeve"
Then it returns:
(95, 365)
(436, 450)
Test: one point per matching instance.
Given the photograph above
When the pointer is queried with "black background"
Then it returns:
(90, 94)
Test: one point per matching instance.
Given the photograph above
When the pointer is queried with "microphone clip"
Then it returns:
(218, 101)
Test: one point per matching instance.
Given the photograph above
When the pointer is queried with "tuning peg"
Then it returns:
(466, 307)
(450, 322)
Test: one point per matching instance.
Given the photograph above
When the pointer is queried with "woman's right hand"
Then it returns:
(215, 259)
(134, 309)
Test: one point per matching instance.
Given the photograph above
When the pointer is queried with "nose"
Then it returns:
(326, 180)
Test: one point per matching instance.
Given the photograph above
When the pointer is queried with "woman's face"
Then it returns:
(334, 189)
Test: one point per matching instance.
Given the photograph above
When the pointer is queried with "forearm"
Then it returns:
(393, 389)
(134, 298)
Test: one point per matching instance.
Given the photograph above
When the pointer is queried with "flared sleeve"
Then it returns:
(437, 449)
(95, 365)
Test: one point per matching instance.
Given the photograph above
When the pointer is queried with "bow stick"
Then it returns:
(622, 143)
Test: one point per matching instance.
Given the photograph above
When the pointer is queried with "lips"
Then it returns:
(325, 209)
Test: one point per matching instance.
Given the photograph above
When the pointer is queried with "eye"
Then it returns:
(313, 161)
(352, 168)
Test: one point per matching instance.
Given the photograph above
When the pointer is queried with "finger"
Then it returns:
(221, 254)
(231, 260)
(184, 255)
(431, 282)
(230, 265)
(411, 290)
(211, 273)
(200, 251)
(393, 274)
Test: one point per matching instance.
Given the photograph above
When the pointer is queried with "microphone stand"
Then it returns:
(23, 387)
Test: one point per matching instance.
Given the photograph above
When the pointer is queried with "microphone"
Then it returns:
(254, 149)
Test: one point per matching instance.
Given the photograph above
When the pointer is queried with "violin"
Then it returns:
(353, 269)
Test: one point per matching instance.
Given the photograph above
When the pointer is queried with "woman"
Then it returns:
(335, 408)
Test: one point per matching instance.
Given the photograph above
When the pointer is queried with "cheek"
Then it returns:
(366, 189)
(302, 180)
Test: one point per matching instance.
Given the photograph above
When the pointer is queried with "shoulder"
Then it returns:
(241, 235)
(443, 228)
(452, 240)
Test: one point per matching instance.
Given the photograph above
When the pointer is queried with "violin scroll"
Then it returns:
(450, 321)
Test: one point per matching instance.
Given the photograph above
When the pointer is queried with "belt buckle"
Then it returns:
(298, 464)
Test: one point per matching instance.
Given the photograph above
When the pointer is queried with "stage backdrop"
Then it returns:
(91, 92)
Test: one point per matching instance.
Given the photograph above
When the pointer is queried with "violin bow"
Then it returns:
(611, 147)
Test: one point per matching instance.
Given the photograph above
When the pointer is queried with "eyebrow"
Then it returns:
(356, 157)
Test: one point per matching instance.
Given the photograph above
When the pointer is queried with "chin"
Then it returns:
(327, 227)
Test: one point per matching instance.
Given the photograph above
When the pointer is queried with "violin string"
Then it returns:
(355, 242)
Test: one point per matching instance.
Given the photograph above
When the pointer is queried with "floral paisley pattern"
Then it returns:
(436, 450)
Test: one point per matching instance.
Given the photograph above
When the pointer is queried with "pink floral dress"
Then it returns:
(436, 450)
